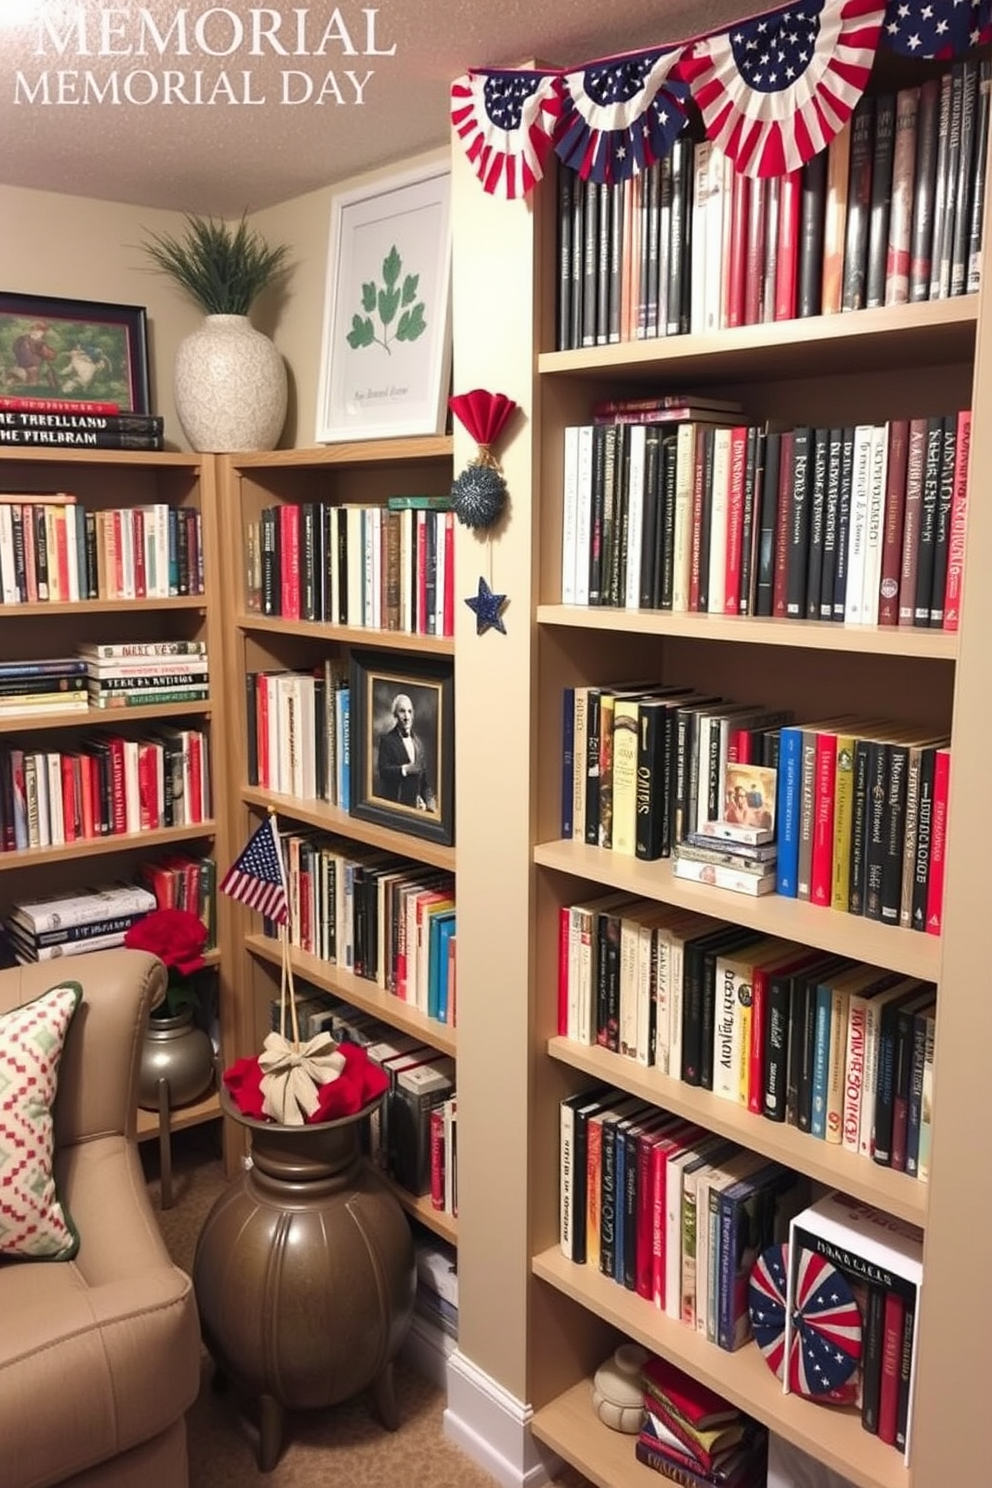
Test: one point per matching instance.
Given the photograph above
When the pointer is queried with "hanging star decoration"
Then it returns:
(487, 607)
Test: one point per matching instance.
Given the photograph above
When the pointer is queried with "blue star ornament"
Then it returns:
(487, 607)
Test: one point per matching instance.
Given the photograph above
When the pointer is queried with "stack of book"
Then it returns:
(436, 1298)
(54, 684)
(136, 675)
(736, 850)
(692, 1435)
(73, 922)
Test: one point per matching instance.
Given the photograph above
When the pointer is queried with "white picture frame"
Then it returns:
(389, 254)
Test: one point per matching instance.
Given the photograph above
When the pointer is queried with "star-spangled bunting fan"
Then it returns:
(938, 28)
(825, 1343)
(620, 115)
(505, 121)
(766, 1296)
(256, 878)
(774, 91)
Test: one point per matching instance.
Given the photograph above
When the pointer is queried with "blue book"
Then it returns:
(790, 774)
(746, 1228)
(446, 929)
(821, 1059)
(567, 759)
(434, 961)
(342, 699)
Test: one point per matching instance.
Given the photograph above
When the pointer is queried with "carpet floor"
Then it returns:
(345, 1445)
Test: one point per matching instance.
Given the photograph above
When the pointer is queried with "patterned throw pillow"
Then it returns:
(33, 1224)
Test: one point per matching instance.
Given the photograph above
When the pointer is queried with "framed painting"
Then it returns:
(84, 350)
(402, 743)
(385, 358)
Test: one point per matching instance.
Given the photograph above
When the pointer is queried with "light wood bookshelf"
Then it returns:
(869, 366)
(364, 473)
(118, 478)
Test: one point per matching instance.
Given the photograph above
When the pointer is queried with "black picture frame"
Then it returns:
(415, 795)
(91, 351)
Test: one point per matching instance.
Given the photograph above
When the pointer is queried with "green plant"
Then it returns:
(223, 268)
(392, 296)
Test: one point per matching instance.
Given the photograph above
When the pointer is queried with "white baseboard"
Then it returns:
(493, 1428)
(427, 1349)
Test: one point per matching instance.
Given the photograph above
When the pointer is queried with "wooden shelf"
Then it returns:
(359, 993)
(833, 1436)
(936, 331)
(351, 635)
(341, 823)
(95, 847)
(908, 951)
(894, 1192)
(81, 607)
(100, 717)
(810, 635)
(357, 452)
(207, 1109)
(43, 454)
(419, 1206)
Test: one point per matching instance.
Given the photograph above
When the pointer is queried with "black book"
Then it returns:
(932, 467)
(874, 854)
(604, 286)
(797, 560)
(611, 210)
(905, 1370)
(678, 259)
(41, 552)
(940, 183)
(665, 560)
(590, 264)
(858, 205)
(329, 547)
(812, 207)
(566, 211)
(831, 520)
(980, 151)
(940, 281)
(615, 526)
(881, 198)
(342, 556)
(924, 178)
(651, 247)
(906, 1019)
(913, 998)
(654, 737)
(70, 439)
(608, 980)
(583, 1106)
(310, 566)
(592, 766)
(611, 1194)
(648, 584)
(893, 834)
(767, 522)
(597, 571)
(659, 326)
(578, 260)
(843, 521)
(961, 226)
(695, 952)
(942, 523)
(802, 1038)
(860, 805)
(872, 1330)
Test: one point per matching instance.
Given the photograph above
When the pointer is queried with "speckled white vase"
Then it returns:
(230, 387)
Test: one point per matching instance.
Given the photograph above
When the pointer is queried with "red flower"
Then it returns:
(176, 936)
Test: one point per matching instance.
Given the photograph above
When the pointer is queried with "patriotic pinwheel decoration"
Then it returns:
(505, 121)
(766, 1304)
(825, 1340)
(937, 28)
(620, 115)
(774, 91)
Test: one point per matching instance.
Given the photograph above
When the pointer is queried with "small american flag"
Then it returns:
(257, 878)
(939, 28)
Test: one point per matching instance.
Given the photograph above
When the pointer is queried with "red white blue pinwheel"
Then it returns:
(766, 1303)
(825, 1342)
(774, 91)
(937, 28)
(620, 115)
(505, 121)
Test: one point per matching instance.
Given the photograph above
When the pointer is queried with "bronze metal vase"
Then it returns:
(305, 1274)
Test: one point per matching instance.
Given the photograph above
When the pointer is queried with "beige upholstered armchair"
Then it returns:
(100, 1354)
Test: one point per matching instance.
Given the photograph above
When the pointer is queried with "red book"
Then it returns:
(30, 555)
(117, 524)
(786, 271)
(696, 517)
(735, 522)
(140, 577)
(436, 1128)
(262, 728)
(118, 804)
(55, 405)
(739, 247)
(564, 920)
(958, 522)
(87, 766)
(194, 795)
(783, 518)
(696, 1404)
(448, 613)
(420, 575)
(754, 278)
(938, 842)
(822, 862)
(895, 507)
(70, 805)
(912, 512)
(289, 560)
(888, 1404)
(62, 555)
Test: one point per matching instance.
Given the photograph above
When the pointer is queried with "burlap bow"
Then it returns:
(292, 1074)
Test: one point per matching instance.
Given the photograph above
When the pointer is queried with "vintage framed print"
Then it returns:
(85, 350)
(385, 357)
(402, 742)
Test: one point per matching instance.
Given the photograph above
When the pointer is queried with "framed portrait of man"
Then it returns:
(402, 737)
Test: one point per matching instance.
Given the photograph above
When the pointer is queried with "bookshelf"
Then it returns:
(362, 474)
(873, 365)
(122, 479)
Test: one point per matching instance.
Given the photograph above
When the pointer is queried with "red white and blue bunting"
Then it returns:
(772, 90)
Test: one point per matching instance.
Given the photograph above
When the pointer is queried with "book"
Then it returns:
(72, 907)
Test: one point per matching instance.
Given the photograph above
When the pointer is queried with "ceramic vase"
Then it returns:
(230, 387)
(177, 1050)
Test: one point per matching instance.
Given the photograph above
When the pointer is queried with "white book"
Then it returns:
(127, 554)
(69, 522)
(726, 1029)
(70, 908)
(570, 513)
(132, 789)
(583, 515)
(876, 524)
(699, 219)
(636, 444)
(56, 822)
(676, 1164)
(374, 535)
(407, 550)
(580, 733)
(7, 579)
(854, 595)
(719, 512)
(685, 464)
(355, 566)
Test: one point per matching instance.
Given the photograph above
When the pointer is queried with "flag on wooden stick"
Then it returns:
(257, 878)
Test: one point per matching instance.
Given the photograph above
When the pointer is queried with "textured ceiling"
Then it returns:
(233, 120)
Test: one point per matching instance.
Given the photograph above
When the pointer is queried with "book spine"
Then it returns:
(77, 438)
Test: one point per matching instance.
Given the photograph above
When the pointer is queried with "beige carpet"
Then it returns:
(345, 1446)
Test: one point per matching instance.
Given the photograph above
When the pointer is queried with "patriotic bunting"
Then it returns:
(505, 121)
(774, 91)
(620, 115)
(938, 28)
(825, 1344)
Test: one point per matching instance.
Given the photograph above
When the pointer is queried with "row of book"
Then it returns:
(51, 684)
(858, 821)
(386, 567)
(375, 915)
(89, 429)
(837, 1048)
(692, 1435)
(412, 1135)
(692, 511)
(298, 733)
(891, 211)
(114, 680)
(73, 922)
(54, 550)
(109, 786)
